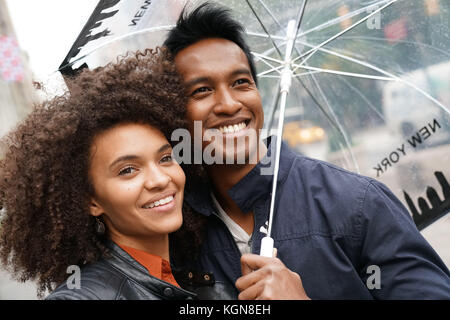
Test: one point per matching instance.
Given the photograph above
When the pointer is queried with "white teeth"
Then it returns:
(159, 202)
(233, 128)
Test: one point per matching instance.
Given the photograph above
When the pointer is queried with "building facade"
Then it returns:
(16, 88)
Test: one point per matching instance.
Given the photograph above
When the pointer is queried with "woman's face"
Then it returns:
(138, 186)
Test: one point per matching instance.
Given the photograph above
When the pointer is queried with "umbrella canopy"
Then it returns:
(367, 82)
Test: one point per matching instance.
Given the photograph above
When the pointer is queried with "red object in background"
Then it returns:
(396, 30)
(11, 68)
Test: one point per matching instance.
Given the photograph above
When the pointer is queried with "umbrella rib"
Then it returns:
(298, 75)
(340, 19)
(264, 61)
(263, 35)
(269, 76)
(300, 17)
(264, 27)
(399, 41)
(343, 73)
(345, 57)
(390, 76)
(269, 71)
(272, 111)
(314, 49)
(270, 13)
(262, 56)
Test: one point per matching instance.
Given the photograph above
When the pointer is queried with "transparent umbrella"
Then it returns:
(361, 84)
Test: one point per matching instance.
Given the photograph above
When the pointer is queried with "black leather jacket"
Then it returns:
(120, 277)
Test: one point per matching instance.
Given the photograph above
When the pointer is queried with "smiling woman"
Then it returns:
(138, 187)
(88, 183)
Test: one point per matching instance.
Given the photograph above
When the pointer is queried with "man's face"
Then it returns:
(221, 94)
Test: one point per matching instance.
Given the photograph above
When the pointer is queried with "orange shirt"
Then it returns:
(156, 266)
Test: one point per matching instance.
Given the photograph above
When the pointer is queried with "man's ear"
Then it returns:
(95, 208)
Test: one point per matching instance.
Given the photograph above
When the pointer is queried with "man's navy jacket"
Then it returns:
(333, 227)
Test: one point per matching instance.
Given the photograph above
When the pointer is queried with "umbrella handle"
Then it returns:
(266, 247)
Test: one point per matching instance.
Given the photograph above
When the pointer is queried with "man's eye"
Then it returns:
(167, 158)
(127, 171)
(242, 81)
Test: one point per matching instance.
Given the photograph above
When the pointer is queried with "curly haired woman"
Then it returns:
(88, 180)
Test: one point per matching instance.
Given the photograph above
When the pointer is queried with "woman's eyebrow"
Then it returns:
(133, 157)
(196, 81)
(123, 158)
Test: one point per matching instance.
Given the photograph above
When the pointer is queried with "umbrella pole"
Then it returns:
(285, 83)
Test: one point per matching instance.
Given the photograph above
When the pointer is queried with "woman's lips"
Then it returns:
(165, 204)
(164, 208)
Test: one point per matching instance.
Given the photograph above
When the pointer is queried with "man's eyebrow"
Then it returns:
(196, 81)
(164, 147)
(241, 71)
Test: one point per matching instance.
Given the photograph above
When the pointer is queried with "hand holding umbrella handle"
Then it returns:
(266, 247)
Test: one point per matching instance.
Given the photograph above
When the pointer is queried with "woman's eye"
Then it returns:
(127, 171)
(200, 90)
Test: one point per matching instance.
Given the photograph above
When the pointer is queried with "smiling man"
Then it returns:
(226, 100)
(331, 226)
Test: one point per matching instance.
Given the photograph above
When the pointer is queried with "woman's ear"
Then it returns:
(95, 208)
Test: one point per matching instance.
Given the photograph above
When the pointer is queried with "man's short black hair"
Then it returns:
(207, 21)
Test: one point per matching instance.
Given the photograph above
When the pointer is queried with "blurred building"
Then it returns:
(16, 98)
(16, 88)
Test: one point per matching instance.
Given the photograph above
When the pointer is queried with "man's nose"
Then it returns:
(156, 178)
(226, 103)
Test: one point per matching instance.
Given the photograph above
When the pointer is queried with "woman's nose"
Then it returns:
(157, 179)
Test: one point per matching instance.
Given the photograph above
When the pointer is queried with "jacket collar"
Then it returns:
(257, 184)
(124, 263)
